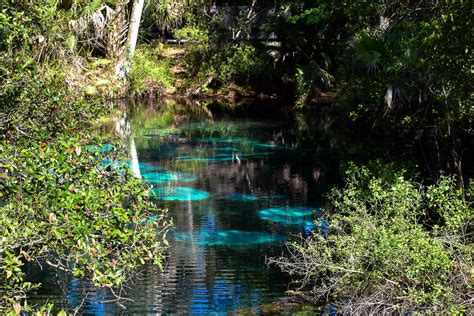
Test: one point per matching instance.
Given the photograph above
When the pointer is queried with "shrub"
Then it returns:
(394, 246)
(58, 204)
(148, 74)
(192, 33)
(241, 63)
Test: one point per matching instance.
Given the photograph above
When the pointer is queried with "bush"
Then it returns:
(192, 33)
(58, 204)
(148, 74)
(36, 104)
(242, 63)
(394, 246)
(63, 208)
(229, 64)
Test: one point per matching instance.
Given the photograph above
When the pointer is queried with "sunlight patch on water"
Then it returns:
(228, 237)
(288, 215)
(148, 167)
(178, 194)
(264, 145)
(167, 176)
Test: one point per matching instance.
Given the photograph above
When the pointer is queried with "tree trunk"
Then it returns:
(117, 37)
(134, 26)
(132, 36)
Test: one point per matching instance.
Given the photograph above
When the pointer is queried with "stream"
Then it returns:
(238, 185)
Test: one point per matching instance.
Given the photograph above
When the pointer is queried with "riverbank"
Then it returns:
(179, 74)
(168, 73)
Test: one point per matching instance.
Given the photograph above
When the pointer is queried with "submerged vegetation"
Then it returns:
(396, 241)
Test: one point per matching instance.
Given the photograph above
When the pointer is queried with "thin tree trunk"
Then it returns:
(132, 36)
(249, 17)
(134, 26)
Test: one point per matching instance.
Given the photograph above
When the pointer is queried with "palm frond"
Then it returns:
(371, 51)
(311, 76)
(98, 26)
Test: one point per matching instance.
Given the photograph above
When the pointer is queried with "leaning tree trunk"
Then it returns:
(132, 36)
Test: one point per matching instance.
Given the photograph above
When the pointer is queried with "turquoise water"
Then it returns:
(167, 176)
(289, 215)
(227, 237)
(178, 194)
(237, 189)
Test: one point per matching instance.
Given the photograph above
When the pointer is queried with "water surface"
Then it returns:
(236, 188)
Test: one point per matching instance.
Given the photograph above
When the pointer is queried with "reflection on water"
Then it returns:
(236, 189)
(161, 177)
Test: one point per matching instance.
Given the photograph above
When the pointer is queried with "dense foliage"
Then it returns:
(398, 69)
(63, 208)
(148, 75)
(59, 203)
(394, 246)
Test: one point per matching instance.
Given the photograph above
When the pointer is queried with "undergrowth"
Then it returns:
(149, 74)
(394, 246)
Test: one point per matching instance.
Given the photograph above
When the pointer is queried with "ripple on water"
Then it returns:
(229, 140)
(210, 159)
(240, 197)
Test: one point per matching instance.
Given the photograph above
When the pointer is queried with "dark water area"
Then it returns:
(238, 185)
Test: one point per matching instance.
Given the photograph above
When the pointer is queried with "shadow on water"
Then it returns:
(238, 182)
